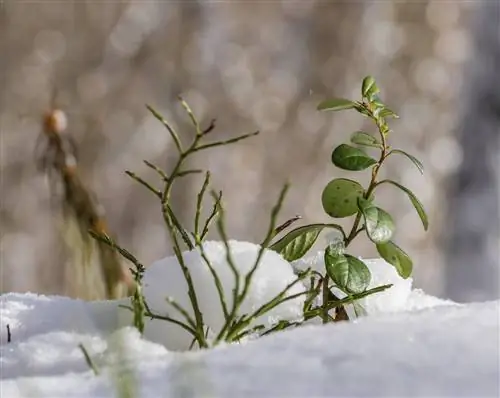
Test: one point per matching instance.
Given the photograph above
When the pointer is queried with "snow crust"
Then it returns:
(410, 344)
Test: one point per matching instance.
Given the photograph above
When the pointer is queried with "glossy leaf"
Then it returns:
(350, 274)
(340, 197)
(414, 160)
(377, 103)
(378, 223)
(296, 243)
(362, 138)
(386, 112)
(369, 87)
(350, 158)
(336, 104)
(394, 255)
(419, 207)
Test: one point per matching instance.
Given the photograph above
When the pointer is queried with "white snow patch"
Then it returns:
(410, 345)
(164, 278)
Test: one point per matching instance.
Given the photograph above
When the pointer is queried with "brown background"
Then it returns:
(253, 65)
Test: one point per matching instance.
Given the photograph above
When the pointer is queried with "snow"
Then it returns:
(400, 297)
(272, 276)
(410, 344)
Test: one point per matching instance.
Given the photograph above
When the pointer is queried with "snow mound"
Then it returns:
(164, 278)
(394, 299)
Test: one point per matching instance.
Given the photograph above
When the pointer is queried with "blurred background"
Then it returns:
(253, 65)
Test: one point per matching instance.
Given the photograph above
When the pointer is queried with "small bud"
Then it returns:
(55, 121)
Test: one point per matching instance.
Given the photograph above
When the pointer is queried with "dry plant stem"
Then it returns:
(58, 160)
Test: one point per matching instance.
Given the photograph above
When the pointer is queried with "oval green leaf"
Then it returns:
(349, 273)
(394, 255)
(378, 223)
(340, 197)
(413, 159)
(363, 138)
(350, 158)
(419, 207)
(386, 112)
(336, 104)
(297, 243)
(369, 88)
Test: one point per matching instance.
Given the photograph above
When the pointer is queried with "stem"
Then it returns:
(373, 182)
(325, 290)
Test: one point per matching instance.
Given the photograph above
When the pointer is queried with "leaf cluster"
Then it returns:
(342, 198)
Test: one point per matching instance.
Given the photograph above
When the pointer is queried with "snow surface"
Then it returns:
(271, 276)
(410, 344)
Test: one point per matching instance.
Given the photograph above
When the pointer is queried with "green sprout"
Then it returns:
(344, 197)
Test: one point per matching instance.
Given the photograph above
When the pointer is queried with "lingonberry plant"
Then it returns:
(344, 197)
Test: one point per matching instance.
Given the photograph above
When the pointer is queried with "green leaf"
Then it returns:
(419, 207)
(377, 102)
(350, 158)
(340, 197)
(362, 109)
(379, 224)
(369, 87)
(336, 104)
(386, 112)
(415, 161)
(349, 273)
(296, 243)
(394, 255)
(362, 138)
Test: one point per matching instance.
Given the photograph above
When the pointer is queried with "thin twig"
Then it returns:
(144, 183)
(189, 111)
(172, 132)
(199, 204)
(89, 360)
(211, 217)
(217, 281)
(179, 308)
(220, 143)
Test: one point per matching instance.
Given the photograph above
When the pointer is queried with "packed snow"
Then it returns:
(410, 344)
(270, 278)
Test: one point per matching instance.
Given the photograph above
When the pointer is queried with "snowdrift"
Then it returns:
(410, 344)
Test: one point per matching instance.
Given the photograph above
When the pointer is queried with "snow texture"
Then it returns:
(410, 344)
(272, 275)
(399, 297)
